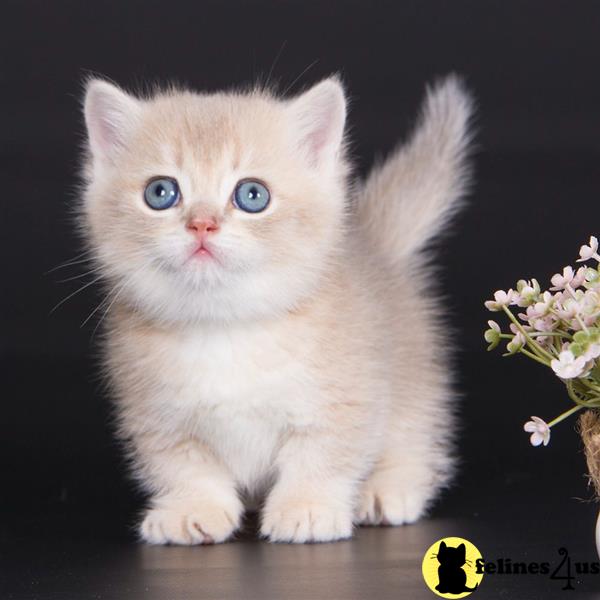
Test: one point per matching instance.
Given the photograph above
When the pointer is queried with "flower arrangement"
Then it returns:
(560, 329)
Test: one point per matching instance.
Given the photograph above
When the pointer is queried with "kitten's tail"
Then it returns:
(410, 197)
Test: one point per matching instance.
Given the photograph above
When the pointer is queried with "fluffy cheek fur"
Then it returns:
(263, 264)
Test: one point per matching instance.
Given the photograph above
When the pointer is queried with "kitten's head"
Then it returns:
(450, 556)
(214, 206)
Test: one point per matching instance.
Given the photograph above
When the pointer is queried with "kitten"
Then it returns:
(271, 330)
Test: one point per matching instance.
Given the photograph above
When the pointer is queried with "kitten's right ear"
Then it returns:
(110, 115)
(319, 116)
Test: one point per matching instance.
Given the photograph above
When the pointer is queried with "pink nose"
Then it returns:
(201, 227)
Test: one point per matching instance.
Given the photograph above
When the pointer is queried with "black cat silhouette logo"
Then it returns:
(449, 568)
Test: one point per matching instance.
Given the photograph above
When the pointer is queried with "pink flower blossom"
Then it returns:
(501, 298)
(560, 282)
(591, 251)
(546, 324)
(579, 278)
(568, 308)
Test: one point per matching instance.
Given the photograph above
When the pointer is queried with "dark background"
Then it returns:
(534, 69)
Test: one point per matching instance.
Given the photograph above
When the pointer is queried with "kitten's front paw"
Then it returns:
(308, 521)
(189, 522)
(391, 506)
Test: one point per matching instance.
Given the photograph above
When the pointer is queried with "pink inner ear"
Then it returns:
(321, 115)
(319, 138)
(109, 113)
(106, 131)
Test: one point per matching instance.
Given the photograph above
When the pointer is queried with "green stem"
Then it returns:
(545, 333)
(593, 402)
(537, 349)
(534, 357)
(564, 415)
(580, 321)
(564, 333)
(589, 385)
(572, 394)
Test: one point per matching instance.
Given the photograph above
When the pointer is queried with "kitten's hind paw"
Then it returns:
(391, 506)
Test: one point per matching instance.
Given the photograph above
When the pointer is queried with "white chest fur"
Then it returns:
(239, 391)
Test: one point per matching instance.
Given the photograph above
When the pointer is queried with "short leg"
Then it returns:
(194, 500)
(314, 497)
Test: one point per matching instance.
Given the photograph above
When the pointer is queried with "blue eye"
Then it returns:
(251, 196)
(162, 193)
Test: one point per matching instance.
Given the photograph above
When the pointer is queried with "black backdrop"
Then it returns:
(534, 68)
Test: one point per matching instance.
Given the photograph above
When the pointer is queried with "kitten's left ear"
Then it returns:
(110, 115)
(319, 116)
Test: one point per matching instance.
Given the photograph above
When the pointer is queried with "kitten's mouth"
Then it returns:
(202, 252)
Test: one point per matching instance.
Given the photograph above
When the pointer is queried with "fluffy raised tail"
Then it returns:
(410, 197)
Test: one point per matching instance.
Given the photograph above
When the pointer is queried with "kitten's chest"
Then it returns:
(247, 374)
(240, 394)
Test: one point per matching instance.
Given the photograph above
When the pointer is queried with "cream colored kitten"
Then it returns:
(271, 333)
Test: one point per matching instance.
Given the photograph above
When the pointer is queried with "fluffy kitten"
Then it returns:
(275, 338)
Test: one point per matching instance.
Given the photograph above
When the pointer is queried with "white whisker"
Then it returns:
(115, 297)
(76, 260)
(90, 272)
(99, 306)
(83, 287)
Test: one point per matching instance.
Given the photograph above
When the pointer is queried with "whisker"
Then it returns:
(110, 306)
(289, 87)
(76, 260)
(274, 63)
(91, 272)
(116, 295)
(102, 303)
(83, 287)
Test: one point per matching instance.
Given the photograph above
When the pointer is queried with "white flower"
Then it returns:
(591, 304)
(579, 278)
(568, 309)
(591, 251)
(492, 335)
(541, 308)
(493, 325)
(592, 352)
(560, 282)
(528, 292)
(546, 324)
(516, 343)
(540, 432)
(567, 366)
(501, 298)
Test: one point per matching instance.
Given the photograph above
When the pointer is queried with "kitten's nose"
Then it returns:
(200, 227)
